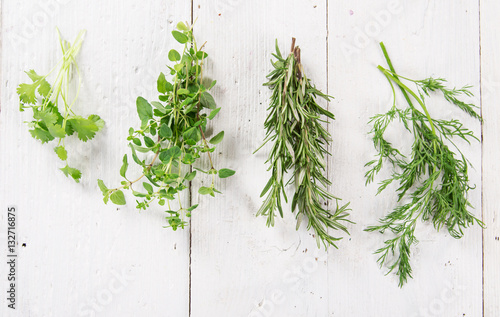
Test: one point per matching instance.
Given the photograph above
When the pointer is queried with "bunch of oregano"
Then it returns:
(433, 182)
(294, 125)
(53, 117)
(173, 130)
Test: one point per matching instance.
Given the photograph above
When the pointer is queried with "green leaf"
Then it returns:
(192, 207)
(138, 194)
(206, 191)
(192, 134)
(141, 149)
(212, 84)
(199, 169)
(217, 191)
(48, 117)
(73, 172)
(213, 113)
(207, 100)
(201, 55)
(174, 56)
(44, 88)
(149, 142)
(178, 67)
(41, 134)
(85, 128)
(26, 93)
(137, 141)
(161, 83)
(165, 131)
(134, 156)
(180, 37)
(170, 154)
(124, 167)
(182, 26)
(218, 138)
(159, 106)
(188, 158)
(97, 120)
(102, 187)
(190, 176)
(56, 130)
(226, 172)
(61, 152)
(144, 110)
(33, 75)
(148, 187)
(118, 198)
(182, 91)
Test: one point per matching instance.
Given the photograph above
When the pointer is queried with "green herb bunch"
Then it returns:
(433, 182)
(53, 117)
(295, 126)
(173, 130)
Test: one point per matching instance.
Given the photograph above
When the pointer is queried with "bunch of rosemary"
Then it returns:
(433, 179)
(295, 126)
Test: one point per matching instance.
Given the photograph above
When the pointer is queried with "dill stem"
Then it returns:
(405, 89)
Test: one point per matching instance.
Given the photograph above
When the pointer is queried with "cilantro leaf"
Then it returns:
(61, 152)
(26, 93)
(41, 134)
(47, 116)
(33, 75)
(73, 172)
(56, 130)
(44, 88)
(85, 128)
(97, 120)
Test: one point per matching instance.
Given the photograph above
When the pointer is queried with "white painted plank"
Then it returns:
(490, 94)
(239, 266)
(423, 38)
(77, 249)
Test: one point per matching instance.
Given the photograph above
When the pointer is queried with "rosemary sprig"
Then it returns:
(433, 179)
(295, 126)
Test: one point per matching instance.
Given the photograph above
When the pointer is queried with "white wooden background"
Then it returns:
(84, 258)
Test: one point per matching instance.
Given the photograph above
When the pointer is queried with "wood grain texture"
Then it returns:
(490, 84)
(239, 266)
(84, 258)
(423, 39)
